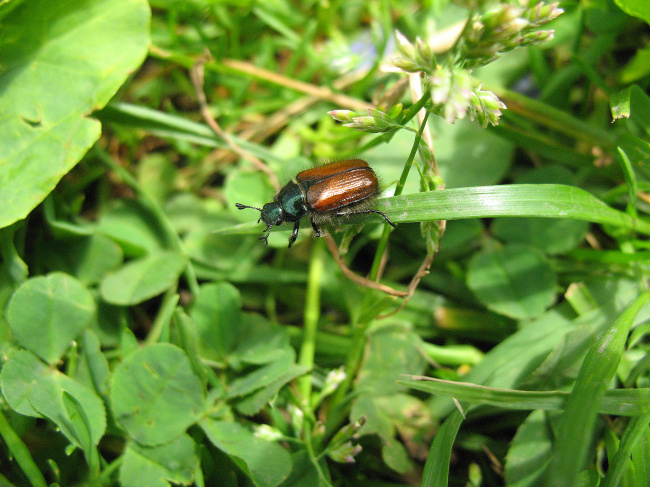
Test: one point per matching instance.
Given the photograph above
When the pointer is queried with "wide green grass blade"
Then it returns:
(532, 200)
(536, 200)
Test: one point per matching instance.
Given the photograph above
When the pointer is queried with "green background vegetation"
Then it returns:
(149, 338)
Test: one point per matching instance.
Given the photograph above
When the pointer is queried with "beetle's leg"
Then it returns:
(316, 229)
(294, 234)
(265, 237)
(364, 212)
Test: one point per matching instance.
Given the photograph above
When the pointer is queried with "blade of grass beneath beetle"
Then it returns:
(532, 200)
(516, 200)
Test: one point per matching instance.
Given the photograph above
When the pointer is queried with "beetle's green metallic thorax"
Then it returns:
(292, 201)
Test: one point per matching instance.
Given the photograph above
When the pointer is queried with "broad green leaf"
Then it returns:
(632, 102)
(93, 365)
(86, 258)
(46, 313)
(47, 399)
(266, 464)
(259, 342)
(197, 218)
(20, 375)
(35, 390)
(226, 253)
(387, 415)
(175, 462)
(560, 367)
(254, 402)
(460, 237)
(133, 227)
(55, 71)
(143, 279)
(553, 236)
(216, 310)
(636, 8)
(110, 324)
(390, 352)
(516, 281)
(155, 394)
(188, 340)
(156, 175)
(263, 376)
(249, 188)
(397, 457)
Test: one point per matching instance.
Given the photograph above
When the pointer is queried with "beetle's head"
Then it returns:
(271, 214)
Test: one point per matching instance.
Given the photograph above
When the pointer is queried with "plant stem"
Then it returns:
(21, 453)
(355, 353)
(312, 315)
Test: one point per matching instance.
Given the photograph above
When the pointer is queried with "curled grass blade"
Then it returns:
(620, 402)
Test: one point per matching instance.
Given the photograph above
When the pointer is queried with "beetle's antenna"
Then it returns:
(241, 207)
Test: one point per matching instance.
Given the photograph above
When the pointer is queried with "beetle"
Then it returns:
(333, 190)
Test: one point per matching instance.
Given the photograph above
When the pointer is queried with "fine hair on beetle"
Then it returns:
(327, 193)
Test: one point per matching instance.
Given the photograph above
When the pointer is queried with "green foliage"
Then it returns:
(149, 338)
(54, 73)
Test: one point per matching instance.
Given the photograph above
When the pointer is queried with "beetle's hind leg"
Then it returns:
(317, 232)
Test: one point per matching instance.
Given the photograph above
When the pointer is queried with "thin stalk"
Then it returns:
(21, 453)
(355, 354)
(312, 315)
(383, 242)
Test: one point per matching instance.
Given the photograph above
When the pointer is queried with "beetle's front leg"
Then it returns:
(294, 234)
